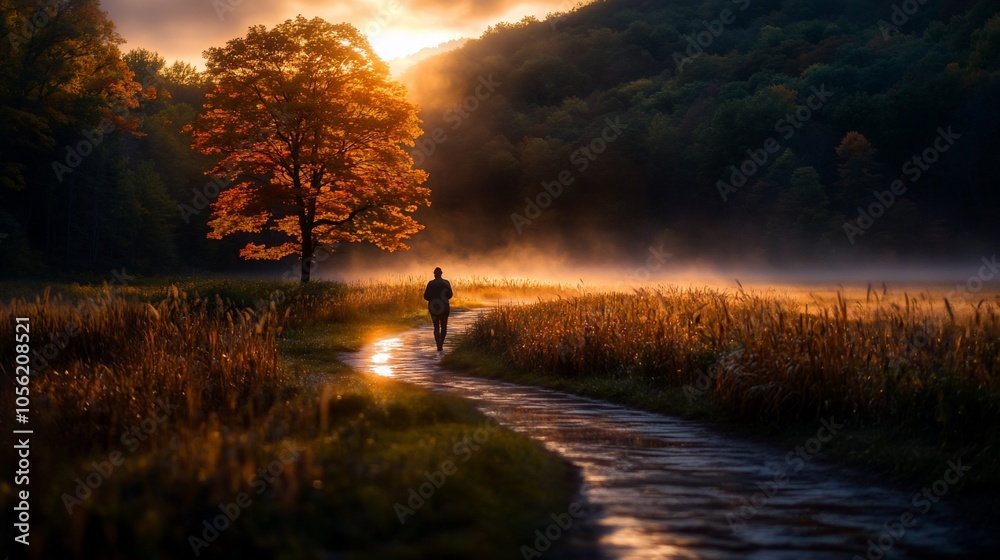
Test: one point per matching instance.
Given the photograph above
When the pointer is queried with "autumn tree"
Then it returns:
(311, 131)
(144, 62)
(185, 83)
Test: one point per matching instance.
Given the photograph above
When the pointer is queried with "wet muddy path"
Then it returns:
(664, 487)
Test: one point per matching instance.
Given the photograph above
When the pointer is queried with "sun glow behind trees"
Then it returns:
(396, 28)
(311, 130)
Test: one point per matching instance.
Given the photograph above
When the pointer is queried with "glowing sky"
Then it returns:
(183, 29)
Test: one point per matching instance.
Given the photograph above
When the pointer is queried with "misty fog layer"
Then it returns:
(736, 133)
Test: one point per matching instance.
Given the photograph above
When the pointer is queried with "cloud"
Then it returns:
(184, 29)
(455, 12)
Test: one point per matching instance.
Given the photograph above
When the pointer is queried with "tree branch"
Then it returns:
(349, 217)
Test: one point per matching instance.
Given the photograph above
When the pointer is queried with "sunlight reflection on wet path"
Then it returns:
(662, 487)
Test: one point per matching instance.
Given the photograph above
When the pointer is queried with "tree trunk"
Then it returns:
(307, 256)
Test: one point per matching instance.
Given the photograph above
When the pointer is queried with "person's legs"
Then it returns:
(438, 331)
(444, 330)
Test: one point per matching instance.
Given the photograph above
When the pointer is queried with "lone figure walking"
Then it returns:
(437, 294)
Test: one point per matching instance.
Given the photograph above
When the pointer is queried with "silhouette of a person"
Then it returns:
(437, 294)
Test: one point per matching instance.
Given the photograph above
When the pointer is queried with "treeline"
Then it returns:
(762, 130)
(95, 169)
(747, 129)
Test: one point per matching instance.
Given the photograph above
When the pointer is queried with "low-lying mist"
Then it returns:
(610, 269)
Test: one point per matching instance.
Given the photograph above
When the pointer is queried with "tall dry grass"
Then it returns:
(109, 357)
(107, 354)
(901, 361)
(103, 356)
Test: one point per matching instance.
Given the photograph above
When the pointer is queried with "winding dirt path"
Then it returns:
(662, 487)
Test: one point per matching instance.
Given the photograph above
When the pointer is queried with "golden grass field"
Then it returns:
(153, 404)
(247, 369)
(920, 369)
(869, 357)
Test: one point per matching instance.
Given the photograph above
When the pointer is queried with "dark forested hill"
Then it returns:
(761, 131)
(752, 129)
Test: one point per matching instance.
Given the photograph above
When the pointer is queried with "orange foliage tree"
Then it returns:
(311, 132)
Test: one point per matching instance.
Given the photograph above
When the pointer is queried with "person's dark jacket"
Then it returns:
(437, 294)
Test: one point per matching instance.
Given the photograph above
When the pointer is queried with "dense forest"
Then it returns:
(95, 171)
(756, 130)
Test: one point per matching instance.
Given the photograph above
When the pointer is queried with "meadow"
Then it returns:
(913, 375)
(159, 406)
(162, 405)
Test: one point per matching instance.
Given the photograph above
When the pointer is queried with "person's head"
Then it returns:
(437, 272)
